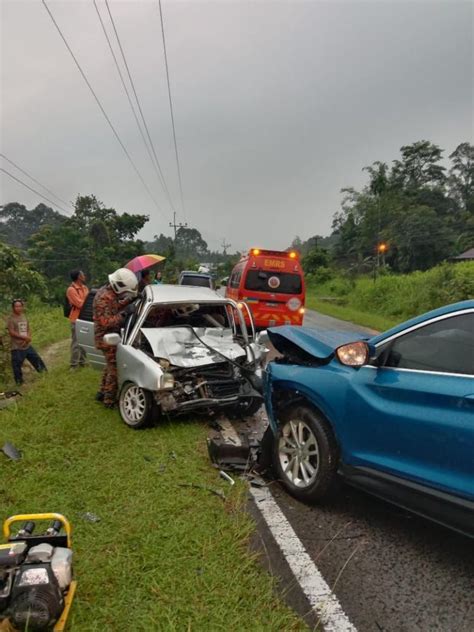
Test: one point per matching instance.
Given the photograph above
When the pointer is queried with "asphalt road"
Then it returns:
(390, 570)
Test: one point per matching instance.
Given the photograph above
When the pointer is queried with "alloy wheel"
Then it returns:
(298, 452)
(133, 404)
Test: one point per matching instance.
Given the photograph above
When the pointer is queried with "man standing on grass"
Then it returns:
(76, 295)
(112, 305)
(20, 337)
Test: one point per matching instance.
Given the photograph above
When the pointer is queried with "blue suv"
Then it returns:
(393, 414)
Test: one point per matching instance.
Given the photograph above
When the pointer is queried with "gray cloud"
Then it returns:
(278, 104)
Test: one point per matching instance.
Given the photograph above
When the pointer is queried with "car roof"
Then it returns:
(435, 313)
(182, 294)
(193, 273)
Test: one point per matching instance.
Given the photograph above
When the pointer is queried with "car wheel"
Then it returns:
(305, 453)
(136, 406)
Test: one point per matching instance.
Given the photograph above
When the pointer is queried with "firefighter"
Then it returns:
(112, 305)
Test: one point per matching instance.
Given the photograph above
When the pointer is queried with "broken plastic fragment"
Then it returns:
(11, 452)
(226, 477)
(89, 517)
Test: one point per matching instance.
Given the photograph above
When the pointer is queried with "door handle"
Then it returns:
(83, 331)
(471, 396)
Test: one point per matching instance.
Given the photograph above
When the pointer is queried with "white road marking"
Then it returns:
(229, 433)
(321, 598)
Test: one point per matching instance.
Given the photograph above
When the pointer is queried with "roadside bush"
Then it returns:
(402, 296)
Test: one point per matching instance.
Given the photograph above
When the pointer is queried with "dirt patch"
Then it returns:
(51, 355)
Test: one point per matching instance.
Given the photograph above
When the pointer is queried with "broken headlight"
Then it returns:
(166, 382)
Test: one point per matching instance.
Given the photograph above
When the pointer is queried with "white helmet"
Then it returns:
(123, 281)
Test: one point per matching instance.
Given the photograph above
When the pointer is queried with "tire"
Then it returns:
(136, 405)
(307, 476)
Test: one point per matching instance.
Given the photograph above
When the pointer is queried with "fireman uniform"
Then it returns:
(108, 318)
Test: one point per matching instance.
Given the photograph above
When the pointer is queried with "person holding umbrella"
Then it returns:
(142, 266)
(145, 280)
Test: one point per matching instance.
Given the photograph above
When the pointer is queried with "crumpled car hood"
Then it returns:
(181, 348)
(318, 345)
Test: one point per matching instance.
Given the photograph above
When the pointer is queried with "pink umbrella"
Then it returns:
(143, 262)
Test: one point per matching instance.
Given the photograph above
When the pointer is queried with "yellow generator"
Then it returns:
(37, 585)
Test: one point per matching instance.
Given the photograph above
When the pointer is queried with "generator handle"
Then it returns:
(40, 516)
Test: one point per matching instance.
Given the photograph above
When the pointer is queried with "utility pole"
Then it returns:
(175, 225)
(224, 246)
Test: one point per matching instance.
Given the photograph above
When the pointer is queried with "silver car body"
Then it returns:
(177, 348)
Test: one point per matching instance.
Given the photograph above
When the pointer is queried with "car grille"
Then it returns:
(220, 379)
(224, 388)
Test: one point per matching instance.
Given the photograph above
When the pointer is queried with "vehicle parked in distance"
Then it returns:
(199, 279)
(185, 350)
(271, 283)
(393, 414)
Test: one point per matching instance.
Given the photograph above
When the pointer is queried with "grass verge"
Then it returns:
(164, 556)
(48, 326)
(372, 321)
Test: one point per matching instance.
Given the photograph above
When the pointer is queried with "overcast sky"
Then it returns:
(278, 105)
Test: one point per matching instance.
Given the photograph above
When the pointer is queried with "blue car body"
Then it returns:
(404, 434)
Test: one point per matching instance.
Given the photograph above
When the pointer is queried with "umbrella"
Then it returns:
(143, 262)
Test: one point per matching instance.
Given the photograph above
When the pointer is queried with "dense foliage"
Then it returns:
(421, 210)
(17, 224)
(399, 296)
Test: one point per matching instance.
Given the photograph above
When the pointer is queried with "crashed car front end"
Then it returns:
(193, 356)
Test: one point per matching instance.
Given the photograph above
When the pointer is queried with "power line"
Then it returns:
(127, 93)
(101, 107)
(178, 165)
(33, 190)
(34, 179)
(163, 182)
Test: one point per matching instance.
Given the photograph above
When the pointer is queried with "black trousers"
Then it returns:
(18, 358)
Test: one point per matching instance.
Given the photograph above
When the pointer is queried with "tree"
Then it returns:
(17, 224)
(190, 243)
(96, 239)
(461, 176)
(161, 245)
(419, 166)
(17, 279)
(419, 239)
(314, 259)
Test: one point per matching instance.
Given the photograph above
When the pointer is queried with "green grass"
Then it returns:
(372, 321)
(392, 298)
(163, 556)
(48, 324)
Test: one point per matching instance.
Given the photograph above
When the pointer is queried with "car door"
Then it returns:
(85, 333)
(413, 417)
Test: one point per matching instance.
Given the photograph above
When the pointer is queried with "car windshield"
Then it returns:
(274, 282)
(191, 279)
(188, 314)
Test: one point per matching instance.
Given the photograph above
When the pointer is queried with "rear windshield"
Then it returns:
(196, 280)
(274, 282)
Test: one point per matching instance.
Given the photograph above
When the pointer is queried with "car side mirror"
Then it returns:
(112, 339)
(262, 338)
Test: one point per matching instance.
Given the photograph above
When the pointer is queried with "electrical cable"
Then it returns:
(101, 107)
(178, 164)
(128, 94)
(163, 182)
(34, 179)
(33, 190)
